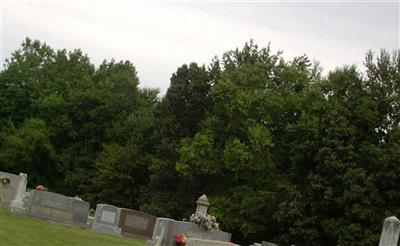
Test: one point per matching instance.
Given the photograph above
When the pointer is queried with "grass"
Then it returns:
(16, 230)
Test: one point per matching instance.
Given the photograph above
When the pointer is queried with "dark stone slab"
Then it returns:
(136, 223)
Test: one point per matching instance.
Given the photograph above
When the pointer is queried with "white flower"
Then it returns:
(207, 221)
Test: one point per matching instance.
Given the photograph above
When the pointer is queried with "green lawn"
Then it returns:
(16, 230)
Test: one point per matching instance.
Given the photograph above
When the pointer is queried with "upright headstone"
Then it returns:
(136, 223)
(12, 188)
(106, 219)
(390, 232)
(202, 205)
(161, 232)
(17, 205)
(165, 231)
(58, 208)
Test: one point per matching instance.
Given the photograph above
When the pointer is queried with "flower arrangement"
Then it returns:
(207, 221)
(180, 240)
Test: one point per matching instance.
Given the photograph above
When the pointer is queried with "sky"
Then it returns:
(158, 37)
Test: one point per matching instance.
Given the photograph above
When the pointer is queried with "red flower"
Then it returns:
(180, 240)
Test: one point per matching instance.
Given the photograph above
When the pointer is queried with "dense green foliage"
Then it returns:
(284, 154)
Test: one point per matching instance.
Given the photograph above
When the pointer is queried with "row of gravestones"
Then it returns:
(41, 204)
(109, 219)
(162, 231)
(120, 221)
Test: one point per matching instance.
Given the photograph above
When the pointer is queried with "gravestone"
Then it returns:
(136, 223)
(390, 232)
(166, 229)
(58, 208)
(17, 205)
(12, 188)
(203, 242)
(106, 219)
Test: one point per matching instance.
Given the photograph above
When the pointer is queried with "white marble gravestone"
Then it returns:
(390, 232)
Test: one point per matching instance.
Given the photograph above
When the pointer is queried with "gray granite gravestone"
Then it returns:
(106, 219)
(165, 231)
(12, 188)
(58, 208)
(136, 223)
(390, 232)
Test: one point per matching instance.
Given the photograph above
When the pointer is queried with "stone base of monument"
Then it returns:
(107, 229)
(17, 207)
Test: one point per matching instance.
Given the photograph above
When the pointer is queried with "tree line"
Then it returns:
(284, 153)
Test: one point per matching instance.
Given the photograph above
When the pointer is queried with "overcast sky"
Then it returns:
(160, 36)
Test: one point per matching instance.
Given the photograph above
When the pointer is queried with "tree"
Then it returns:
(28, 149)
